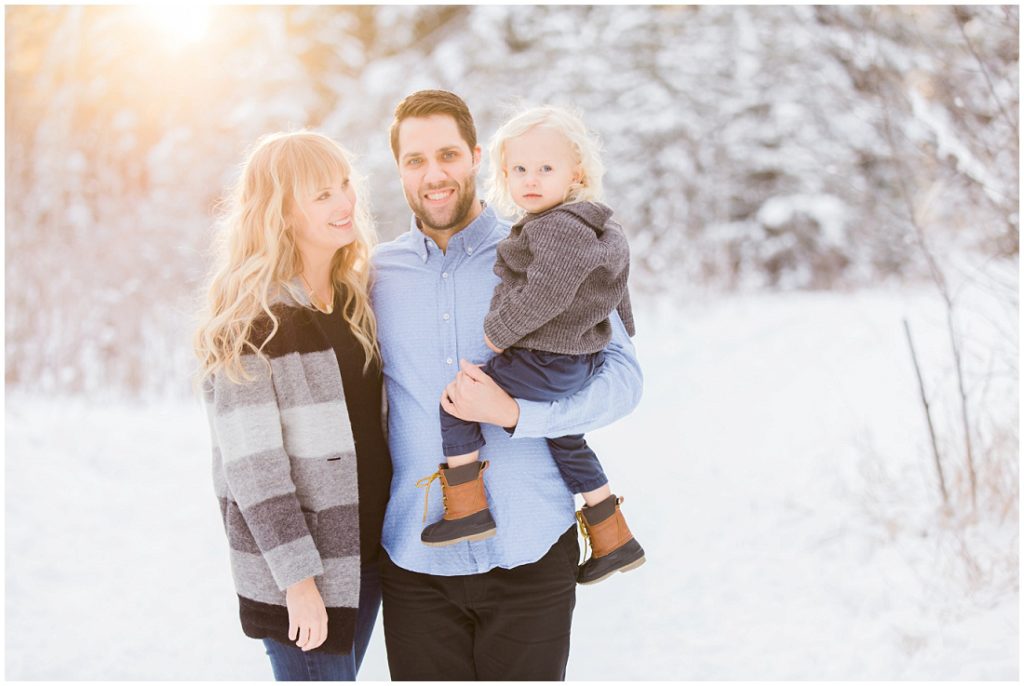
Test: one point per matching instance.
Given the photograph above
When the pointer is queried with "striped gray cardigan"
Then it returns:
(284, 471)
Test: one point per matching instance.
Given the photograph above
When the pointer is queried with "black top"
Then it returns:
(363, 399)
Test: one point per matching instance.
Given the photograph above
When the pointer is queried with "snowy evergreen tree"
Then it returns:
(746, 147)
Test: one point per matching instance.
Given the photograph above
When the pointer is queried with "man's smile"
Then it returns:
(439, 196)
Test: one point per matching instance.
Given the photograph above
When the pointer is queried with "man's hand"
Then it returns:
(474, 397)
(493, 347)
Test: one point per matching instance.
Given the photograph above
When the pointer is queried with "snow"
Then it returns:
(776, 472)
(949, 144)
(709, 115)
(796, 530)
(827, 211)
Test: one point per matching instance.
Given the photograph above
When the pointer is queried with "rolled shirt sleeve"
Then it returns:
(612, 393)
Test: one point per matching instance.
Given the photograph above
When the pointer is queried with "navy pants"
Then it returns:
(544, 376)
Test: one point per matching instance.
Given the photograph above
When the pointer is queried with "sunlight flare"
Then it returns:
(186, 23)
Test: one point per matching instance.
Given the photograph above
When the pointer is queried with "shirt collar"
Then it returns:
(468, 240)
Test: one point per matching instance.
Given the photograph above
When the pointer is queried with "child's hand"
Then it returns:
(493, 347)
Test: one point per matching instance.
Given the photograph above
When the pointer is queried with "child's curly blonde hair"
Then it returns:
(585, 145)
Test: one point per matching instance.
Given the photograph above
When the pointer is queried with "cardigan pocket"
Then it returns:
(240, 536)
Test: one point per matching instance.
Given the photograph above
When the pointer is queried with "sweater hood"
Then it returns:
(593, 214)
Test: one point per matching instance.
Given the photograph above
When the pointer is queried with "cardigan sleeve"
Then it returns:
(247, 431)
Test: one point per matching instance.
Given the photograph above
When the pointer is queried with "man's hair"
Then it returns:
(427, 103)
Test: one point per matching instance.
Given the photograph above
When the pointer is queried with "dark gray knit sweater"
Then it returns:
(562, 273)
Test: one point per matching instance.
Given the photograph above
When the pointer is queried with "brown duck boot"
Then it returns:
(614, 548)
(466, 515)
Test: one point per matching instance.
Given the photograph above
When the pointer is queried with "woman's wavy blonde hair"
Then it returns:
(585, 144)
(256, 255)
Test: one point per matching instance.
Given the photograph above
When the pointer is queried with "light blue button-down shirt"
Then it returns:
(430, 309)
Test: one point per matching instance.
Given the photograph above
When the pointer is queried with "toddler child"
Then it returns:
(563, 269)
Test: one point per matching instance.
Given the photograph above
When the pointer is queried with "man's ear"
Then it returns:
(477, 157)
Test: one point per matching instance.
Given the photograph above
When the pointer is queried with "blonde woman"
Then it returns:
(563, 269)
(291, 375)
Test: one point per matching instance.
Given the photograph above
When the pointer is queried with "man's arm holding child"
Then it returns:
(612, 393)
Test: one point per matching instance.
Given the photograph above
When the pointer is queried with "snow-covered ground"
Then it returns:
(777, 472)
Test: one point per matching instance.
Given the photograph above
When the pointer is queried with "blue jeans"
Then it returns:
(537, 375)
(290, 663)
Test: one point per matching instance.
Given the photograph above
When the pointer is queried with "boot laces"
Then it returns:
(584, 531)
(425, 483)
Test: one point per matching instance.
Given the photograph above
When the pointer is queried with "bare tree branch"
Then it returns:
(928, 415)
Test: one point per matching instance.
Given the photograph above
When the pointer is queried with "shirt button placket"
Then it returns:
(446, 305)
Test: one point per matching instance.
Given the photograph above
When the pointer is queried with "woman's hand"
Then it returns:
(493, 347)
(474, 397)
(307, 616)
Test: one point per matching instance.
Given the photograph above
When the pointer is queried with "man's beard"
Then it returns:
(465, 196)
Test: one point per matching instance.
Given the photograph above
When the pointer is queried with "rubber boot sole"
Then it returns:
(627, 568)
(629, 556)
(475, 527)
(471, 537)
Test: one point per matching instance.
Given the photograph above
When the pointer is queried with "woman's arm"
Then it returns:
(247, 431)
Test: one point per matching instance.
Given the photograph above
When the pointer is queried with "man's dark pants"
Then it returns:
(504, 624)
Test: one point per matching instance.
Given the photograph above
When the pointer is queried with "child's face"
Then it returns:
(539, 168)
